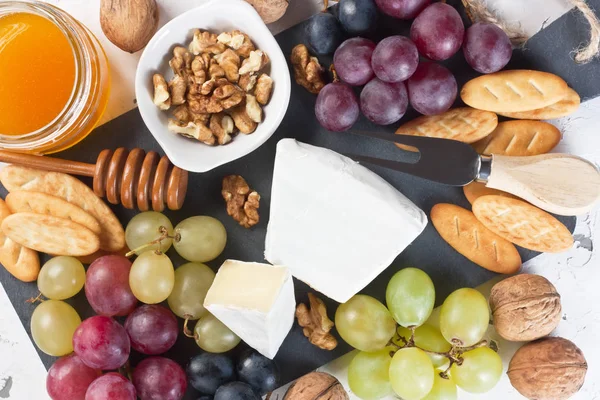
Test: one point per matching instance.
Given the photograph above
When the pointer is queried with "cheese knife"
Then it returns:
(562, 184)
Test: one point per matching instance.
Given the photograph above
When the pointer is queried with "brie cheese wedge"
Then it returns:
(256, 301)
(335, 224)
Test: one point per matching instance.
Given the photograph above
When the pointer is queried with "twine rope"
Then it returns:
(477, 11)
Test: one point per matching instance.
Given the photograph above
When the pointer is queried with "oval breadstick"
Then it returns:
(51, 235)
(19, 261)
(42, 203)
(14, 177)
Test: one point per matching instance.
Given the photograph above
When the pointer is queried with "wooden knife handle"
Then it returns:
(559, 183)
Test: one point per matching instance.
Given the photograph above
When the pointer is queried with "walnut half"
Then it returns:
(307, 70)
(315, 323)
(242, 202)
(162, 98)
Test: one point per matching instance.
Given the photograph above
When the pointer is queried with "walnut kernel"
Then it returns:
(256, 61)
(178, 87)
(242, 202)
(230, 62)
(315, 323)
(248, 81)
(242, 120)
(221, 126)
(307, 70)
(253, 109)
(264, 88)
(181, 63)
(162, 98)
(206, 42)
(193, 131)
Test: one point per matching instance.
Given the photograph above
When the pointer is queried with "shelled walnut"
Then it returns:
(307, 70)
(219, 87)
(315, 323)
(316, 386)
(242, 202)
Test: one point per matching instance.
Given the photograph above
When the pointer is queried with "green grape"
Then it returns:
(410, 296)
(443, 389)
(213, 336)
(480, 371)
(53, 324)
(364, 323)
(369, 374)
(429, 338)
(192, 281)
(200, 238)
(464, 317)
(146, 227)
(152, 277)
(61, 278)
(411, 373)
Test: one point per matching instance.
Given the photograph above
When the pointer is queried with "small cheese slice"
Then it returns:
(335, 224)
(256, 301)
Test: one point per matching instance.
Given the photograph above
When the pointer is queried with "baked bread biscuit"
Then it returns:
(14, 177)
(514, 91)
(51, 235)
(475, 190)
(21, 262)
(523, 224)
(464, 124)
(520, 138)
(461, 230)
(566, 106)
(42, 203)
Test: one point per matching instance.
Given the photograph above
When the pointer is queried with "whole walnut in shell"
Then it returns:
(129, 24)
(548, 369)
(316, 386)
(525, 307)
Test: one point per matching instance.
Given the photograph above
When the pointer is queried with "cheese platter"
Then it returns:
(330, 228)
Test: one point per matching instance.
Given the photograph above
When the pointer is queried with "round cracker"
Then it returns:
(51, 235)
(41, 203)
(21, 262)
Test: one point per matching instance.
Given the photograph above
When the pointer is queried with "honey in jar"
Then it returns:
(54, 78)
(37, 67)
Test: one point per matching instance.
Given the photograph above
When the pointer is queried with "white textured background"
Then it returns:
(575, 273)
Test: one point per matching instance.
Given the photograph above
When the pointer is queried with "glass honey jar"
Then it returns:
(54, 78)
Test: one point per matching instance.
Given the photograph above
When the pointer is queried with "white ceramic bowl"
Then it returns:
(217, 16)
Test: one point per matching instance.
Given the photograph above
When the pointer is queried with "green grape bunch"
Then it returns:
(402, 352)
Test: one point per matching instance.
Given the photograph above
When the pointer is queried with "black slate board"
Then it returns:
(448, 269)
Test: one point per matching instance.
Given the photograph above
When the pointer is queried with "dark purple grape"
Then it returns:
(438, 31)
(236, 391)
(159, 378)
(383, 103)
(111, 386)
(207, 371)
(205, 398)
(357, 16)
(107, 286)
(69, 378)
(153, 329)
(432, 89)
(258, 371)
(102, 343)
(487, 48)
(323, 33)
(352, 61)
(337, 107)
(403, 9)
(395, 59)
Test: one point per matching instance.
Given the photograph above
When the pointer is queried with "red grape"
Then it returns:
(101, 342)
(438, 31)
(383, 103)
(111, 386)
(69, 378)
(337, 107)
(395, 59)
(107, 286)
(159, 378)
(352, 61)
(432, 89)
(403, 9)
(487, 48)
(152, 329)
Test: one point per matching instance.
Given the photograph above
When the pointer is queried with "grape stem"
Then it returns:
(336, 78)
(454, 355)
(34, 300)
(186, 330)
(164, 234)
(125, 370)
(325, 5)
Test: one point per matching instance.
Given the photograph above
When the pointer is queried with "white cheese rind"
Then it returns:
(261, 330)
(335, 224)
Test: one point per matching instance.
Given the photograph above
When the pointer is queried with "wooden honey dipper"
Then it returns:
(122, 176)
